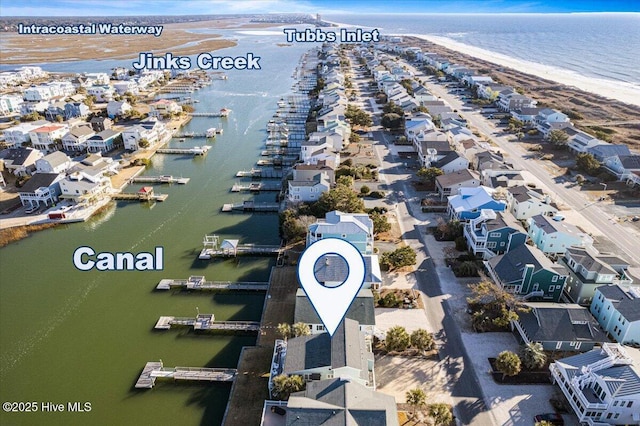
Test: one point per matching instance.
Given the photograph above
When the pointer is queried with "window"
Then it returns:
(554, 279)
(320, 327)
(558, 345)
(494, 235)
(502, 244)
(629, 404)
(552, 288)
(491, 244)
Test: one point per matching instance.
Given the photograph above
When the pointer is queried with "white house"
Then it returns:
(601, 386)
(10, 104)
(118, 108)
(16, 135)
(164, 108)
(56, 162)
(618, 312)
(524, 202)
(452, 162)
(308, 190)
(549, 119)
(44, 138)
(37, 93)
(101, 93)
(83, 187)
(132, 136)
(554, 237)
(76, 138)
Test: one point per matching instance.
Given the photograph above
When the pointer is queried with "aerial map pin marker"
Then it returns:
(331, 303)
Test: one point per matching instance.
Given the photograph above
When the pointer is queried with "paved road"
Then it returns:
(625, 239)
(466, 392)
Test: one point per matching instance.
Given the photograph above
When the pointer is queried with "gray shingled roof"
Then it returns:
(625, 303)
(333, 268)
(39, 180)
(555, 322)
(510, 266)
(361, 309)
(455, 178)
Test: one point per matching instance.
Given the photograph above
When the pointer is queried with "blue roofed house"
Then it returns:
(75, 110)
(558, 327)
(526, 271)
(624, 167)
(603, 151)
(589, 270)
(356, 228)
(493, 233)
(602, 386)
(468, 203)
(618, 311)
(553, 237)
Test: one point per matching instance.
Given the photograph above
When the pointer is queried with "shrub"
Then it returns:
(376, 194)
(397, 339)
(364, 190)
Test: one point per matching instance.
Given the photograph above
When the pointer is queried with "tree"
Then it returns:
(380, 223)
(533, 356)
(493, 308)
(341, 198)
(90, 100)
(400, 257)
(392, 121)
(558, 138)
(284, 385)
(300, 329)
(284, 330)
(422, 340)
(429, 174)
(543, 423)
(357, 116)
(440, 413)
(587, 163)
(515, 124)
(397, 339)
(143, 143)
(392, 108)
(364, 190)
(508, 363)
(415, 398)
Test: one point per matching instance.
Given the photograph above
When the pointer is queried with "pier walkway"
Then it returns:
(206, 322)
(139, 197)
(155, 370)
(230, 248)
(251, 206)
(196, 150)
(159, 179)
(256, 187)
(261, 173)
(199, 283)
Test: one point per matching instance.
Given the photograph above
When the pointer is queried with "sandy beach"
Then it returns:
(625, 92)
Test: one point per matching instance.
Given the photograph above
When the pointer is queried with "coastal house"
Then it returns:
(526, 115)
(38, 107)
(15, 136)
(491, 91)
(602, 386)
(558, 327)
(356, 228)
(104, 141)
(101, 93)
(309, 188)
(618, 312)
(163, 108)
(20, 161)
(75, 110)
(527, 272)
(524, 202)
(579, 141)
(133, 135)
(603, 151)
(431, 146)
(54, 110)
(417, 123)
(346, 355)
(37, 93)
(589, 270)
(308, 171)
(469, 201)
(549, 119)
(451, 162)
(75, 139)
(123, 86)
(118, 109)
(46, 138)
(512, 101)
(41, 188)
(85, 187)
(310, 147)
(493, 233)
(96, 78)
(553, 237)
(624, 167)
(338, 401)
(10, 104)
(450, 183)
(100, 124)
(361, 310)
(501, 178)
(56, 162)
(332, 270)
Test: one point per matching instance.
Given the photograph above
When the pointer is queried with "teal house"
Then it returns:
(357, 228)
(526, 271)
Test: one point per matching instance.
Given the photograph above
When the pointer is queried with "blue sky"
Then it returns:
(187, 7)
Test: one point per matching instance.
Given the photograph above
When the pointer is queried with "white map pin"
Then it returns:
(331, 303)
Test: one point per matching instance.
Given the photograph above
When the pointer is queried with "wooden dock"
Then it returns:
(241, 249)
(196, 150)
(251, 207)
(160, 179)
(206, 322)
(154, 370)
(139, 197)
(199, 283)
(261, 173)
(257, 187)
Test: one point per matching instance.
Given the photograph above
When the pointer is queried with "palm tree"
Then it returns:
(533, 356)
(300, 329)
(422, 340)
(415, 398)
(508, 363)
(284, 385)
(440, 413)
(285, 330)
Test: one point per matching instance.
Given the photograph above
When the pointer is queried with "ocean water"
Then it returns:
(602, 46)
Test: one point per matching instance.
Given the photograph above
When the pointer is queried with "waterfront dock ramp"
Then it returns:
(199, 283)
(206, 322)
(231, 248)
(196, 150)
(159, 179)
(251, 206)
(154, 370)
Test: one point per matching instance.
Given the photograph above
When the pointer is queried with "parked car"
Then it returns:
(553, 418)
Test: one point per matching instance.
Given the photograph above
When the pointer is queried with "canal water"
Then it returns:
(70, 336)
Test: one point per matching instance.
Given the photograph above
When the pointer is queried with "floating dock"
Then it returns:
(154, 370)
(206, 322)
(196, 150)
(251, 206)
(256, 187)
(199, 283)
(159, 179)
(139, 197)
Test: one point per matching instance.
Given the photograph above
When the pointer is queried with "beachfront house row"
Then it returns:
(624, 167)
(468, 202)
(526, 115)
(524, 202)
(46, 138)
(76, 138)
(104, 141)
(493, 233)
(603, 151)
(549, 119)
(618, 311)
(356, 228)
(20, 161)
(341, 401)
(589, 270)
(553, 237)
(449, 184)
(41, 188)
(56, 162)
(558, 327)
(526, 271)
(361, 310)
(602, 386)
(580, 141)
(512, 101)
